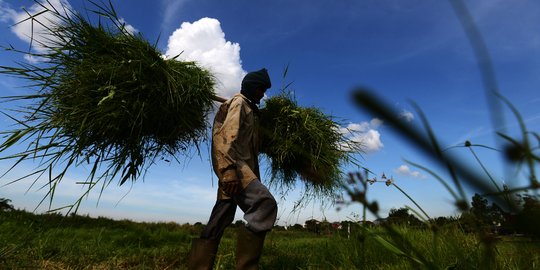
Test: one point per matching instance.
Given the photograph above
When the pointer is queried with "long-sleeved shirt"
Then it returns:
(235, 142)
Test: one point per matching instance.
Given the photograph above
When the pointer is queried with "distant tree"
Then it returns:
(354, 225)
(325, 227)
(5, 205)
(401, 216)
(529, 217)
(486, 215)
(313, 225)
(496, 214)
(531, 204)
(298, 227)
(468, 222)
(198, 225)
(479, 207)
(238, 223)
(443, 221)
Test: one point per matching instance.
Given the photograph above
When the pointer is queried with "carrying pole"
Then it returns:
(219, 99)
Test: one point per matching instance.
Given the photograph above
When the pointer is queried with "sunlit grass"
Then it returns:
(75, 242)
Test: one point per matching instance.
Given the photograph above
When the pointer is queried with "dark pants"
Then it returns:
(258, 205)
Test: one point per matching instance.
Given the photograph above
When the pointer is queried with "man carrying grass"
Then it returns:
(235, 162)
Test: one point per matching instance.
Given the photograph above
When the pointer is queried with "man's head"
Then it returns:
(255, 84)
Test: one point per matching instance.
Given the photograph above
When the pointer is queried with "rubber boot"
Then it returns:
(202, 254)
(249, 249)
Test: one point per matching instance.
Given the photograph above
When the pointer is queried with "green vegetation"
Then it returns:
(304, 143)
(53, 241)
(105, 97)
(5, 205)
(500, 229)
(56, 242)
(514, 205)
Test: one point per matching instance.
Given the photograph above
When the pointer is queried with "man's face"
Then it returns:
(259, 94)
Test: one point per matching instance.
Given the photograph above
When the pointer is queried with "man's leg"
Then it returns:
(204, 249)
(260, 212)
(222, 216)
(259, 207)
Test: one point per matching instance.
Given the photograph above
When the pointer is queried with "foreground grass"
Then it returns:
(77, 242)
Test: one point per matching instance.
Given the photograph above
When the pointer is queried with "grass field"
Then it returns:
(77, 242)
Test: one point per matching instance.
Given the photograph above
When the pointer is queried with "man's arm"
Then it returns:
(228, 145)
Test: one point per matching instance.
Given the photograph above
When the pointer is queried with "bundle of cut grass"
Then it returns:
(107, 97)
(304, 143)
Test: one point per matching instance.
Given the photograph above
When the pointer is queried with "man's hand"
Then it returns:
(231, 188)
(230, 184)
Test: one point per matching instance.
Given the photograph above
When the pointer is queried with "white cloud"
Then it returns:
(371, 141)
(29, 30)
(204, 42)
(129, 28)
(6, 13)
(171, 9)
(408, 116)
(34, 59)
(404, 170)
(375, 123)
(356, 127)
(366, 134)
(36, 31)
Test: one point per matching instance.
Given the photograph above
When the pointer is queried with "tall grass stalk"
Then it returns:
(515, 151)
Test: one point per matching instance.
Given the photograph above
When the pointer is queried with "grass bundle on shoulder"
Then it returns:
(304, 143)
(106, 97)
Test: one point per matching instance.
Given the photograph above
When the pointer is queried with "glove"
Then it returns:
(230, 184)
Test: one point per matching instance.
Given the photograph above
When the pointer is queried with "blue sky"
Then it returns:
(404, 50)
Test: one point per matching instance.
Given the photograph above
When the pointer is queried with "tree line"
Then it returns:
(482, 216)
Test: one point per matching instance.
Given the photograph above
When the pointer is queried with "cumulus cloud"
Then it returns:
(35, 31)
(404, 170)
(408, 116)
(366, 134)
(28, 30)
(204, 42)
